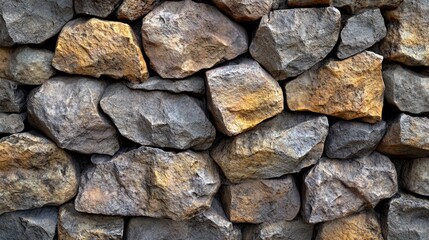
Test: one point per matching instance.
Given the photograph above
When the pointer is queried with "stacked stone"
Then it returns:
(222, 119)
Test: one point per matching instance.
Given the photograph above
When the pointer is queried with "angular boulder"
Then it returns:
(12, 122)
(12, 98)
(132, 10)
(353, 6)
(296, 229)
(96, 8)
(193, 85)
(415, 177)
(244, 10)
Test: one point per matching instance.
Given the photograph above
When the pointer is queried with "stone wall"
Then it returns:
(216, 119)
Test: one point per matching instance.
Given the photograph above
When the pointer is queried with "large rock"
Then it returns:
(150, 182)
(96, 47)
(96, 7)
(158, 118)
(406, 217)
(193, 85)
(307, 3)
(34, 172)
(405, 89)
(361, 32)
(37, 224)
(282, 145)
(134, 9)
(350, 89)
(66, 109)
(5, 59)
(12, 122)
(337, 188)
(415, 177)
(260, 201)
(241, 96)
(363, 225)
(406, 136)
(281, 47)
(32, 21)
(12, 98)
(292, 230)
(181, 38)
(407, 36)
(209, 225)
(244, 10)
(353, 6)
(31, 66)
(75, 225)
(350, 139)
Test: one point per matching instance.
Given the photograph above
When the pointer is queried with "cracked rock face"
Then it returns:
(337, 188)
(96, 7)
(12, 98)
(150, 182)
(132, 10)
(415, 177)
(296, 229)
(244, 10)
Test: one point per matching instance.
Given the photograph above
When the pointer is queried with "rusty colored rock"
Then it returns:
(132, 10)
(244, 10)
(5, 59)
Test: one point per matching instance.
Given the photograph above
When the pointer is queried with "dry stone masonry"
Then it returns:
(214, 119)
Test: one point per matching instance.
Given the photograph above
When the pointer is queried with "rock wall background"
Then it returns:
(222, 119)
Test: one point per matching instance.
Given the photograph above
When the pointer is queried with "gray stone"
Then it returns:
(282, 145)
(75, 225)
(193, 85)
(415, 177)
(360, 32)
(182, 38)
(258, 201)
(405, 89)
(12, 122)
(32, 21)
(134, 9)
(336, 188)
(34, 172)
(96, 8)
(12, 98)
(150, 182)
(244, 10)
(350, 139)
(285, 44)
(158, 118)
(406, 217)
(308, 3)
(406, 136)
(37, 224)
(291, 230)
(353, 6)
(66, 109)
(31, 66)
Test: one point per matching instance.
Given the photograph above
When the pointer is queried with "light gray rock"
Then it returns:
(353, 6)
(286, 45)
(12, 98)
(360, 32)
(150, 182)
(37, 224)
(66, 109)
(32, 21)
(406, 217)
(12, 122)
(132, 10)
(244, 10)
(350, 139)
(415, 177)
(337, 188)
(292, 230)
(182, 38)
(158, 118)
(282, 145)
(193, 85)
(96, 8)
(405, 89)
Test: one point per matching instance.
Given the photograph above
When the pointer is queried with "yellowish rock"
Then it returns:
(350, 89)
(5, 59)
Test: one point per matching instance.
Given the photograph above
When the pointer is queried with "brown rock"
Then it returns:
(349, 89)
(132, 10)
(181, 38)
(354, 6)
(5, 59)
(96, 47)
(262, 200)
(307, 3)
(241, 96)
(244, 10)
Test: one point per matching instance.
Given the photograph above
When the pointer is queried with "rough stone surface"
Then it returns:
(12, 122)
(158, 118)
(283, 50)
(282, 145)
(291, 230)
(349, 89)
(75, 225)
(405, 89)
(37, 224)
(350, 139)
(363, 225)
(31, 66)
(32, 21)
(406, 136)
(407, 37)
(5, 59)
(134, 9)
(353, 6)
(66, 109)
(193, 85)
(241, 96)
(96, 7)
(338, 188)
(406, 217)
(12, 98)
(260, 201)
(96, 47)
(34, 172)
(360, 32)
(307, 3)
(244, 10)
(415, 177)
(181, 38)
(150, 182)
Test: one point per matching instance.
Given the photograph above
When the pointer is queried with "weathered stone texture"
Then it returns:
(96, 8)
(244, 10)
(355, 6)
(12, 98)
(193, 85)
(292, 230)
(12, 122)
(134, 9)
(415, 176)
(5, 59)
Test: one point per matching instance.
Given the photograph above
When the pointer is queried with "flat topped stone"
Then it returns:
(296, 229)
(193, 85)
(353, 6)
(244, 10)
(96, 7)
